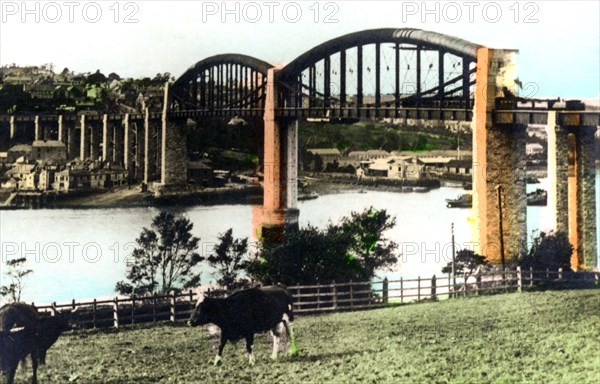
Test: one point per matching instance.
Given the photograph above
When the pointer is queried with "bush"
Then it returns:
(551, 251)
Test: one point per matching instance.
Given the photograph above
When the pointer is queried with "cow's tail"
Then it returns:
(290, 303)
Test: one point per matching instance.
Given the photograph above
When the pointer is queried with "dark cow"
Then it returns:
(15, 345)
(18, 325)
(25, 332)
(247, 312)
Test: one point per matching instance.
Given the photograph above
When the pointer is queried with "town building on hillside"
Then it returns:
(435, 165)
(399, 168)
(26, 176)
(460, 167)
(52, 151)
(377, 154)
(71, 179)
(327, 155)
(19, 150)
(359, 155)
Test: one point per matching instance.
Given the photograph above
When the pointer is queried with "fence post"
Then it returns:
(560, 273)
(433, 288)
(449, 290)
(351, 294)
(73, 305)
(192, 305)
(418, 288)
(94, 308)
(385, 294)
(531, 276)
(53, 309)
(334, 293)
(478, 283)
(172, 317)
(519, 280)
(133, 310)
(318, 297)
(401, 290)
(465, 285)
(116, 313)
(154, 307)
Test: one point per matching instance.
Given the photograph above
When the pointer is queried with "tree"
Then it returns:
(465, 263)
(367, 242)
(229, 261)
(307, 256)
(16, 274)
(354, 249)
(551, 251)
(164, 258)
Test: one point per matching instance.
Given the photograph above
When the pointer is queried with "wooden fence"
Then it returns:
(313, 299)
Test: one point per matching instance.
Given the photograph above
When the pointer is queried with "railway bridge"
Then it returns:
(403, 74)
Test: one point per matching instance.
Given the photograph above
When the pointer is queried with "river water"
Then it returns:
(81, 254)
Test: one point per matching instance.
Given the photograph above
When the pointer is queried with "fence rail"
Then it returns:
(324, 298)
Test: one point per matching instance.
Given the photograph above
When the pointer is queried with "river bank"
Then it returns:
(135, 197)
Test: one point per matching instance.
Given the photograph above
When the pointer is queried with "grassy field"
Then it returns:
(541, 337)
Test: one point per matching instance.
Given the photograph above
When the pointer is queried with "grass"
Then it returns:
(538, 337)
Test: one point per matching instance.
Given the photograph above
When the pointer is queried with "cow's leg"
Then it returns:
(249, 342)
(219, 357)
(276, 333)
(11, 373)
(34, 366)
(290, 331)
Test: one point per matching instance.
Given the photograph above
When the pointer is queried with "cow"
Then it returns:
(18, 326)
(247, 312)
(25, 332)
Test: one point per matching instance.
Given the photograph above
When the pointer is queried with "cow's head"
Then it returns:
(201, 313)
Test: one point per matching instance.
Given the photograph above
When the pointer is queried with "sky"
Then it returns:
(558, 41)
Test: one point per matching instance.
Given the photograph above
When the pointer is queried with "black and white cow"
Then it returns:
(247, 312)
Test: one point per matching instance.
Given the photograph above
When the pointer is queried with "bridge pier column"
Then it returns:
(146, 145)
(127, 158)
(83, 142)
(279, 210)
(105, 139)
(37, 128)
(173, 154)
(12, 128)
(499, 162)
(572, 172)
(69, 138)
(60, 128)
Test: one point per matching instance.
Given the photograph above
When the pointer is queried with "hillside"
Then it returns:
(543, 337)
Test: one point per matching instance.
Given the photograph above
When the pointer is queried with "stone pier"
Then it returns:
(279, 210)
(173, 161)
(572, 179)
(499, 161)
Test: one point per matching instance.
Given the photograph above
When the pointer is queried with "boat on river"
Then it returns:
(538, 197)
(308, 196)
(462, 201)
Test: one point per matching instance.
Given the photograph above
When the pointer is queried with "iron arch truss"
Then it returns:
(381, 73)
(222, 85)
